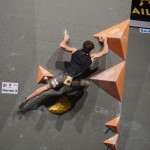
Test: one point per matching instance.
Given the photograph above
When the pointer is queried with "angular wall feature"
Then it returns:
(112, 142)
(111, 80)
(114, 124)
(117, 38)
(43, 73)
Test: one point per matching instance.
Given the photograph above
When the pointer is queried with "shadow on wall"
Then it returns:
(43, 102)
(56, 57)
(79, 112)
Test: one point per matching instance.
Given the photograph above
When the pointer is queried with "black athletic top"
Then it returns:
(80, 62)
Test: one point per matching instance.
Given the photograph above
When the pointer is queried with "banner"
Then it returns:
(140, 13)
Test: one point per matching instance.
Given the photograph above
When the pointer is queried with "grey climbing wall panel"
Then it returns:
(30, 32)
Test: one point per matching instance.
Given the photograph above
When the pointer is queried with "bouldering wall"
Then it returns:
(30, 32)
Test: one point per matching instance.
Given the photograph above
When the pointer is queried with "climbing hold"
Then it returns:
(43, 74)
(112, 142)
(117, 37)
(65, 32)
(113, 124)
(111, 80)
(107, 130)
(63, 105)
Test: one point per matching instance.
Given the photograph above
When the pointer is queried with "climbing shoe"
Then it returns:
(22, 104)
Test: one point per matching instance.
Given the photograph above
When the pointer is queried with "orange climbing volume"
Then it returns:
(112, 142)
(114, 124)
(43, 73)
(111, 80)
(117, 37)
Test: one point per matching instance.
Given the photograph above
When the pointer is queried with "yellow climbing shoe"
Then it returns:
(62, 106)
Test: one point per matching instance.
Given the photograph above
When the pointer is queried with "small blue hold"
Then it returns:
(107, 148)
(107, 130)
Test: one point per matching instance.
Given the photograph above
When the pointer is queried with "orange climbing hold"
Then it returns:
(112, 142)
(111, 80)
(117, 38)
(113, 124)
(43, 73)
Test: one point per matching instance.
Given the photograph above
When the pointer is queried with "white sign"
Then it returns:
(9, 88)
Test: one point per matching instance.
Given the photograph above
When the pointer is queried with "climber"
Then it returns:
(80, 62)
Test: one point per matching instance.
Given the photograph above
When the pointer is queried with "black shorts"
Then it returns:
(58, 82)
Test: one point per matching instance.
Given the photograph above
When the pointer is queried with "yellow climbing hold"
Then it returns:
(62, 106)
